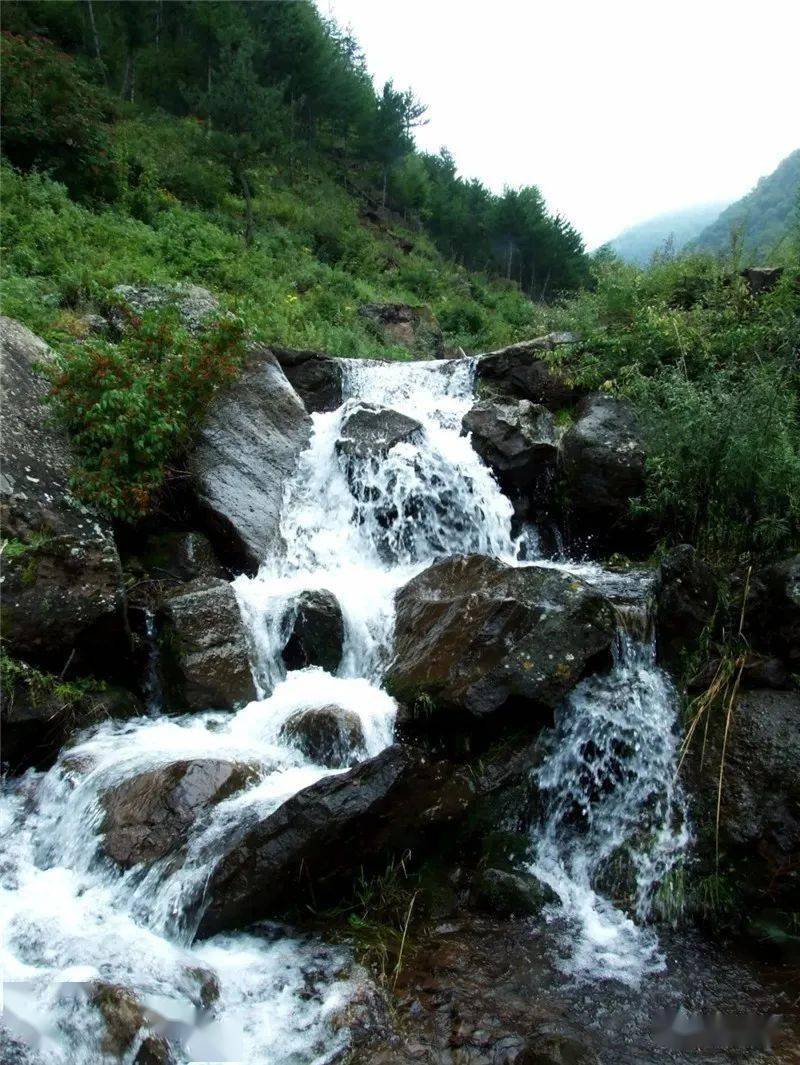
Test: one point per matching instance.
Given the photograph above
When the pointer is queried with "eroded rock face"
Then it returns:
(509, 893)
(317, 635)
(204, 652)
(62, 580)
(414, 328)
(760, 805)
(517, 439)
(149, 815)
(325, 833)
(249, 446)
(196, 305)
(371, 431)
(316, 378)
(173, 557)
(772, 615)
(327, 735)
(474, 635)
(686, 597)
(603, 465)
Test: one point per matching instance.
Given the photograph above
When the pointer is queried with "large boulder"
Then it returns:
(603, 471)
(204, 652)
(414, 328)
(316, 378)
(195, 305)
(760, 796)
(149, 815)
(772, 612)
(320, 838)
(686, 598)
(317, 634)
(250, 443)
(474, 636)
(326, 735)
(371, 431)
(520, 372)
(41, 712)
(63, 598)
(517, 439)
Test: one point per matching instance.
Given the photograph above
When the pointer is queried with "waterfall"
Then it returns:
(359, 526)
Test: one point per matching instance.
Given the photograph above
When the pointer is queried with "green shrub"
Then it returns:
(132, 407)
(54, 120)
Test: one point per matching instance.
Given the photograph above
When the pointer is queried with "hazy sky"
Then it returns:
(617, 109)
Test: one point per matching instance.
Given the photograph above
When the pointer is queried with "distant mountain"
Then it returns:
(763, 217)
(637, 244)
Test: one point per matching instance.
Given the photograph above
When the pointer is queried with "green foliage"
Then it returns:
(44, 687)
(52, 119)
(132, 407)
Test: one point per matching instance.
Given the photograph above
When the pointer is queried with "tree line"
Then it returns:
(278, 83)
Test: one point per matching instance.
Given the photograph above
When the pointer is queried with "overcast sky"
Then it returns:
(617, 109)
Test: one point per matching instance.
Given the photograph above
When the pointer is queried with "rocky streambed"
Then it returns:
(370, 650)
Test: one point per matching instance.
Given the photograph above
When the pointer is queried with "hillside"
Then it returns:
(675, 230)
(762, 220)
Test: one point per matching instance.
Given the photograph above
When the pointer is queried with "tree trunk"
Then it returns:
(96, 40)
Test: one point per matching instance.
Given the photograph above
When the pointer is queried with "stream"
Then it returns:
(359, 527)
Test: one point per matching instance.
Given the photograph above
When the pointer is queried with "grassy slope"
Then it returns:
(314, 260)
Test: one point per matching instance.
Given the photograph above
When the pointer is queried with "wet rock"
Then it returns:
(474, 636)
(195, 305)
(63, 598)
(686, 598)
(318, 840)
(760, 805)
(149, 815)
(316, 378)
(372, 431)
(250, 442)
(603, 468)
(414, 328)
(40, 713)
(326, 735)
(174, 557)
(204, 654)
(317, 635)
(507, 893)
(772, 614)
(517, 372)
(517, 440)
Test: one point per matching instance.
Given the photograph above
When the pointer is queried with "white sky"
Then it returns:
(617, 109)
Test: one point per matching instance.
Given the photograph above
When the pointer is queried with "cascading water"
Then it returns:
(359, 527)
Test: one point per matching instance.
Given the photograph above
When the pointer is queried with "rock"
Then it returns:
(515, 372)
(772, 614)
(686, 599)
(122, 1015)
(414, 328)
(195, 304)
(63, 598)
(760, 805)
(517, 439)
(317, 635)
(474, 636)
(326, 735)
(372, 431)
(204, 652)
(762, 278)
(316, 378)
(174, 557)
(250, 443)
(320, 838)
(41, 713)
(149, 815)
(507, 893)
(603, 470)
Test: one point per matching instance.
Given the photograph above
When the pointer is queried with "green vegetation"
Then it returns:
(45, 688)
(131, 407)
(244, 148)
(761, 223)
